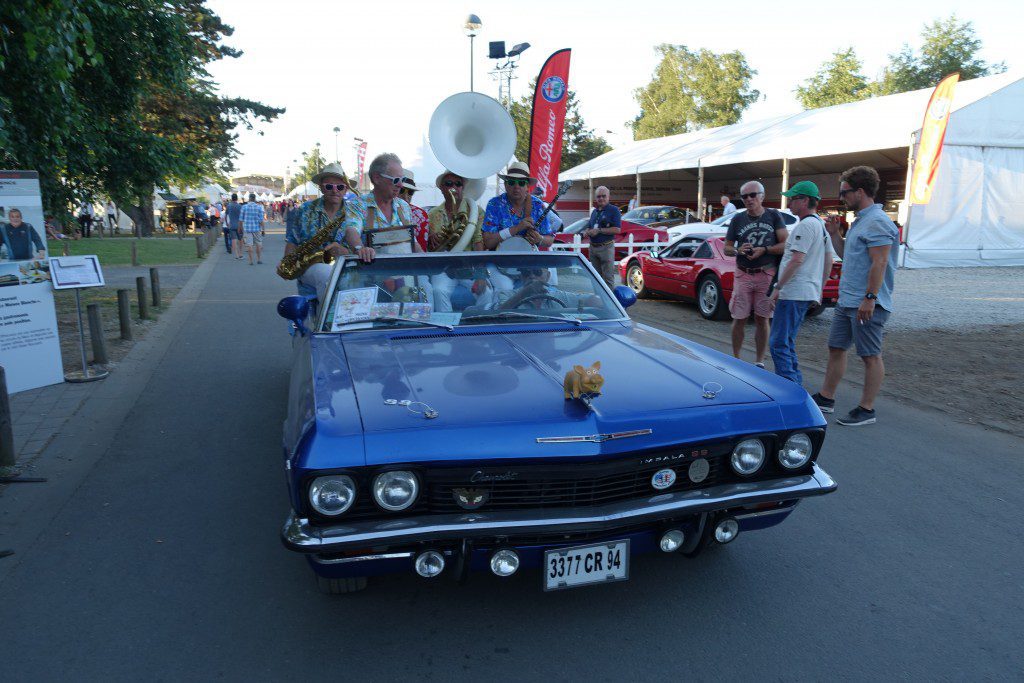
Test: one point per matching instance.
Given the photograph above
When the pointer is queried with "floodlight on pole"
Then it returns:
(472, 26)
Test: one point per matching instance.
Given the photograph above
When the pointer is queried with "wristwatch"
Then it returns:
(871, 297)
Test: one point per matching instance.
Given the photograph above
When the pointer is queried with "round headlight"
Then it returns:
(796, 451)
(395, 490)
(332, 495)
(748, 456)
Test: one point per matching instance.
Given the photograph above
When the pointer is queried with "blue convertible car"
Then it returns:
(500, 412)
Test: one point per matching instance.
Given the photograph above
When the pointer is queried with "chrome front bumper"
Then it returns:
(299, 535)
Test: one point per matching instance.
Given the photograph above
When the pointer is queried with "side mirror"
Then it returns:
(294, 308)
(625, 296)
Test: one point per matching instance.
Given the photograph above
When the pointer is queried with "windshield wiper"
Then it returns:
(520, 314)
(389, 318)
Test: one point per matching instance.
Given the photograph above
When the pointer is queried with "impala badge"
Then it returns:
(469, 499)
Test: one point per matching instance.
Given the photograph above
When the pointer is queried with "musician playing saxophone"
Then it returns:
(514, 213)
(455, 225)
(307, 219)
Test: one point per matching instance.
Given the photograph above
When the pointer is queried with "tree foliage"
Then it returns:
(838, 81)
(691, 90)
(579, 143)
(948, 45)
(313, 162)
(112, 98)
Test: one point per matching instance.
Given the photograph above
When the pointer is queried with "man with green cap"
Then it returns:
(806, 263)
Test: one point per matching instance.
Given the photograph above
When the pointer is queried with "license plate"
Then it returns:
(587, 564)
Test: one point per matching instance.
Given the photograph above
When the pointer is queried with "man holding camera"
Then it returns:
(756, 238)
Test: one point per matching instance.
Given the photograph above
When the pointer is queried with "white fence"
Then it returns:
(628, 244)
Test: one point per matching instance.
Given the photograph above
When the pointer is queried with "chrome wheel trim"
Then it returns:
(635, 275)
(708, 296)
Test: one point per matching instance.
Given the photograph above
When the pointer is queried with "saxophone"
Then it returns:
(311, 251)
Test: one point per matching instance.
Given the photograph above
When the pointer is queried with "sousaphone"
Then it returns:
(472, 135)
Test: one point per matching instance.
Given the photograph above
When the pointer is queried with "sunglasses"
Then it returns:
(335, 186)
(517, 183)
(395, 180)
(749, 195)
(842, 193)
(453, 183)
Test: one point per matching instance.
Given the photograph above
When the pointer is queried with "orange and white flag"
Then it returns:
(933, 132)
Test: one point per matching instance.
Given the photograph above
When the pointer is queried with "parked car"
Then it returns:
(663, 216)
(641, 233)
(721, 224)
(542, 432)
(695, 268)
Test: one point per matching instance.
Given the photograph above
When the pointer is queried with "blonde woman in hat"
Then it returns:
(305, 220)
(468, 238)
(405, 192)
(515, 213)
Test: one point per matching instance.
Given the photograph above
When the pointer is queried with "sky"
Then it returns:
(377, 70)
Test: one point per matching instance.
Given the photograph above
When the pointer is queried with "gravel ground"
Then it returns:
(954, 341)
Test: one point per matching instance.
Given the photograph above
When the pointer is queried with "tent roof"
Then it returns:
(881, 124)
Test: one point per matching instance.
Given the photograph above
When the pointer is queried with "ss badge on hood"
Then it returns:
(470, 499)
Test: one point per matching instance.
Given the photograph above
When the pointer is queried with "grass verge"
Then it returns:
(117, 251)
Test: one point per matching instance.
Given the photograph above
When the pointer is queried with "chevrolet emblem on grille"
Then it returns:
(593, 438)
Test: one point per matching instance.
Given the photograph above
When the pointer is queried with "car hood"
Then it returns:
(485, 385)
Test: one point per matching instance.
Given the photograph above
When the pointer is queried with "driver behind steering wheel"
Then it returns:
(536, 293)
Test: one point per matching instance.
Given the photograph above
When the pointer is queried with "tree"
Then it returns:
(579, 143)
(838, 81)
(948, 45)
(691, 90)
(312, 163)
(120, 115)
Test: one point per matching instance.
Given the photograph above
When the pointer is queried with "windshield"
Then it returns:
(472, 288)
(574, 228)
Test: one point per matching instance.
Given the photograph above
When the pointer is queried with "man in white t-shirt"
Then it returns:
(806, 263)
(727, 206)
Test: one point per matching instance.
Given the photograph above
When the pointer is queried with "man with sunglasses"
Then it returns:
(443, 229)
(304, 221)
(806, 264)
(605, 223)
(385, 209)
(515, 213)
(869, 254)
(760, 234)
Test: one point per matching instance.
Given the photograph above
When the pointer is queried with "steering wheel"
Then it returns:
(540, 297)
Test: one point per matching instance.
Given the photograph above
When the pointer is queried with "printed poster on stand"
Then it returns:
(29, 345)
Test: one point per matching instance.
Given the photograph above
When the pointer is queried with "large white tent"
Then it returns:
(975, 216)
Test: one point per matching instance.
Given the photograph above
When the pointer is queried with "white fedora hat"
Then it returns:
(517, 170)
(333, 169)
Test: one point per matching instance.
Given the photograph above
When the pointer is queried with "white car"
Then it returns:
(720, 225)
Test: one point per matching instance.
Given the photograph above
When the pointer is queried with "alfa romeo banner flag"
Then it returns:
(933, 132)
(548, 122)
(360, 162)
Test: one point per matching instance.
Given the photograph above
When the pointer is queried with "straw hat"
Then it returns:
(517, 170)
(334, 169)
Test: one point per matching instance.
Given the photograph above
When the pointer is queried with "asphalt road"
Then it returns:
(161, 560)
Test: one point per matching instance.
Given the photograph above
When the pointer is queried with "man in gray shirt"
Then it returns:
(869, 255)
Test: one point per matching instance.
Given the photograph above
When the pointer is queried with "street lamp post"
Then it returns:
(337, 130)
(472, 25)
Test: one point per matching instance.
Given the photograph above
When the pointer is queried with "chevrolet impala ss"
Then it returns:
(450, 414)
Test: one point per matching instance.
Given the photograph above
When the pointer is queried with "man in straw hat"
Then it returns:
(515, 213)
(405, 192)
(305, 220)
(456, 224)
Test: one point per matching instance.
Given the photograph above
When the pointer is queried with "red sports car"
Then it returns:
(695, 268)
(640, 233)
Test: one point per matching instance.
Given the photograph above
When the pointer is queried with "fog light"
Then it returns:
(672, 540)
(430, 563)
(505, 562)
(726, 530)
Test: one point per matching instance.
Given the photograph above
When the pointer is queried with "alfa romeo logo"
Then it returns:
(553, 89)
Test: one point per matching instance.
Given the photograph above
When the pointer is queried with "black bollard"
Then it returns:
(154, 284)
(6, 424)
(135, 253)
(99, 342)
(140, 286)
(124, 314)
(199, 246)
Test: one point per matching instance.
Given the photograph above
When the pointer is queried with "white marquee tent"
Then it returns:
(976, 216)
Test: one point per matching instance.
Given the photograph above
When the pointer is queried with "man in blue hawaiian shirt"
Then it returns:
(515, 213)
(305, 220)
(385, 209)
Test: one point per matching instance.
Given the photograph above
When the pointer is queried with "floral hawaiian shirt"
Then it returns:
(310, 217)
(499, 216)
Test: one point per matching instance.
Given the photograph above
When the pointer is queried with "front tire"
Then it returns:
(635, 280)
(340, 586)
(710, 299)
